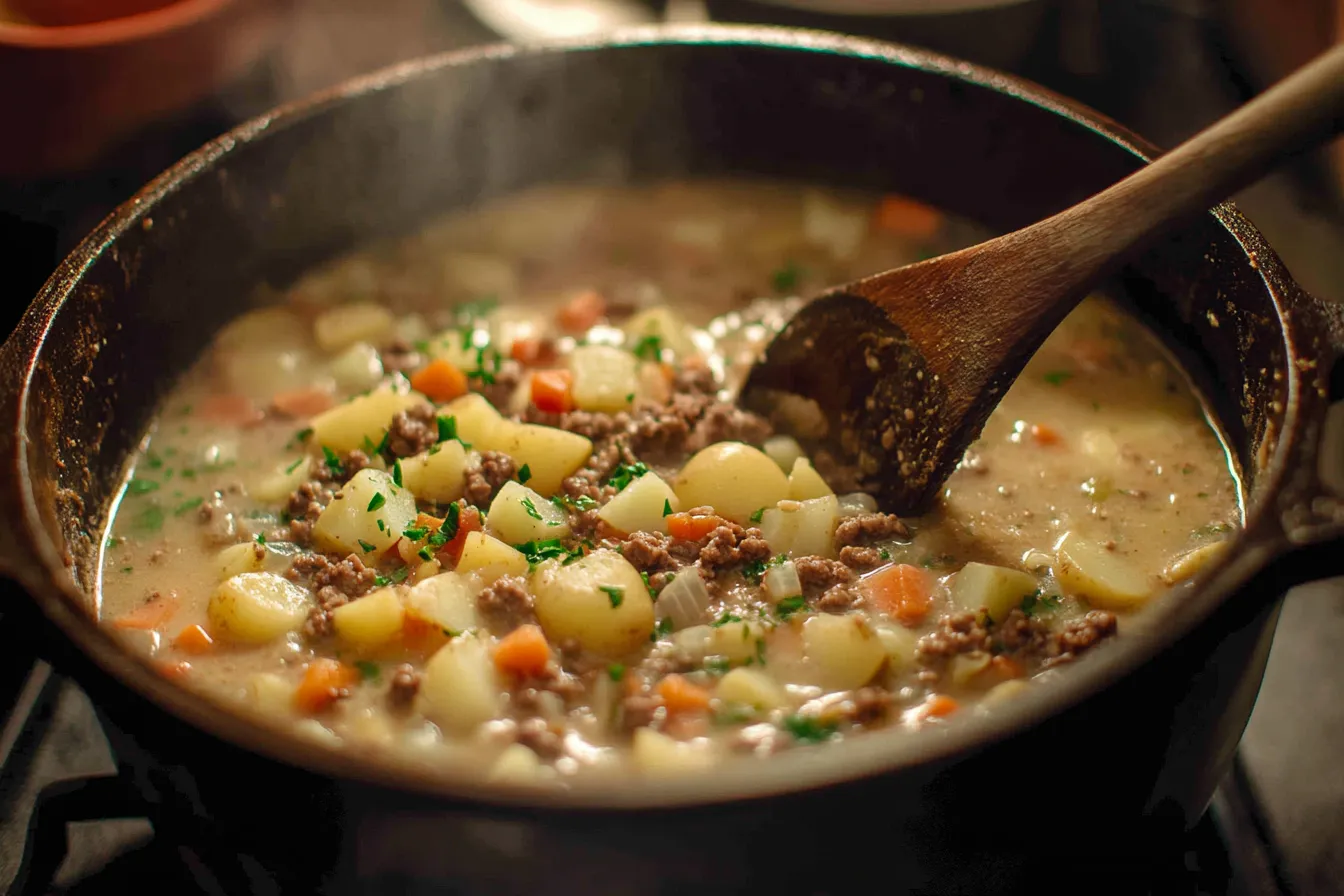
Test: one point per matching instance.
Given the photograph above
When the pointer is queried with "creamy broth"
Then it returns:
(482, 492)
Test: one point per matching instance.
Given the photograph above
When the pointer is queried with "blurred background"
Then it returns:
(98, 96)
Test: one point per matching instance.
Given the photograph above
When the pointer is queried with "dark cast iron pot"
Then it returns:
(1093, 773)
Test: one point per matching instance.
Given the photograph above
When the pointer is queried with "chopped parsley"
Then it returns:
(152, 460)
(399, 575)
(487, 377)
(626, 473)
(661, 629)
(451, 521)
(468, 312)
(717, 665)
(582, 502)
(261, 538)
(382, 526)
(294, 466)
(367, 548)
(1058, 377)
(760, 651)
(808, 729)
(333, 461)
(786, 278)
(530, 509)
(756, 517)
(149, 520)
(614, 593)
(667, 507)
(300, 437)
(539, 551)
(790, 605)
(755, 569)
(884, 554)
(525, 474)
(652, 593)
(1038, 602)
(188, 505)
(425, 554)
(396, 473)
(648, 348)
(139, 486)
(378, 500)
(448, 431)
(415, 533)
(368, 670)
(725, 619)
(615, 671)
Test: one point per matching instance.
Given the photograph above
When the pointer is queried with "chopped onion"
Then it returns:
(684, 600)
(782, 581)
(783, 450)
(857, 503)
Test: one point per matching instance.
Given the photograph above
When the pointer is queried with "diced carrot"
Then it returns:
(1001, 668)
(902, 591)
(173, 671)
(1044, 435)
(582, 311)
(937, 706)
(425, 521)
(679, 695)
(194, 639)
(523, 652)
(231, 410)
(302, 402)
(440, 380)
(692, 528)
(421, 635)
(469, 521)
(149, 616)
(553, 390)
(533, 351)
(324, 682)
(907, 217)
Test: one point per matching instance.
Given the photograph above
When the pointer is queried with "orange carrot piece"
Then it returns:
(440, 380)
(533, 351)
(901, 591)
(421, 635)
(469, 521)
(173, 671)
(679, 695)
(937, 706)
(523, 652)
(151, 615)
(324, 682)
(1043, 434)
(194, 639)
(231, 410)
(302, 402)
(907, 217)
(1003, 668)
(692, 528)
(581, 312)
(553, 391)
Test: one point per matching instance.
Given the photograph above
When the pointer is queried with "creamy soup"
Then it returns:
(484, 492)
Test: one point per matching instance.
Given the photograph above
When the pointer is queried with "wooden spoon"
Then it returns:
(897, 373)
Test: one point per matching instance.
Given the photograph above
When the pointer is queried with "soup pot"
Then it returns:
(1073, 787)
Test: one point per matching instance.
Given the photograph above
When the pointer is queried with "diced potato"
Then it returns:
(344, 325)
(805, 482)
(965, 666)
(641, 506)
(460, 690)
(275, 326)
(516, 764)
(783, 450)
(1192, 563)
(260, 371)
(489, 558)
(256, 607)
(815, 530)
(663, 324)
(438, 474)
(693, 641)
(448, 346)
(782, 581)
(735, 640)
(280, 482)
(357, 368)
(995, 589)
(1004, 691)
(370, 621)
(751, 687)
(657, 754)
(363, 419)
(518, 514)
(735, 479)
(1103, 578)
(899, 643)
(550, 454)
(599, 601)
(779, 525)
(237, 559)
(842, 652)
(476, 419)
(349, 525)
(448, 600)
(605, 377)
(270, 695)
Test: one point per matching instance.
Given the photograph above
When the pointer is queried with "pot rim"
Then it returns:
(735, 780)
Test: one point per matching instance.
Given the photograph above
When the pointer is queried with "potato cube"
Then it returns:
(899, 643)
(605, 377)
(351, 522)
(783, 450)
(842, 652)
(995, 589)
(362, 420)
(475, 418)
(642, 506)
(369, 621)
(357, 368)
(735, 640)
(460, 690)
(518, 514)
(447, 600)
(239, 558)
(1103, 578)
(599, 601)
(516, 764)
(805, 482)
(256, 607)
(550, 454)
(735, 479)
(280, 482)
(344, 325)
(815, 531)
(489, 558)
(1193, 562)
(438, 474)
(751, 687)
(663, 324)
(655, 753)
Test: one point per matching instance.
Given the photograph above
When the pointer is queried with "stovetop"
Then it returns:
(1160, 65)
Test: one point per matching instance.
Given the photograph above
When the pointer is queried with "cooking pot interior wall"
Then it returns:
(383, 162)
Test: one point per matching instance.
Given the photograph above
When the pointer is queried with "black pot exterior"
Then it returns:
(1105, 778)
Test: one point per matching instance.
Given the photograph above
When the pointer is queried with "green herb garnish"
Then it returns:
(294, 466)
(396, 472)
(790, 605)
(756, 517)
(548, 549)
(649, 348)
(1038, 602)
(717, 665)
(1058, 377)
(530, 509)
(300, 437)
(149, 520)
(582, 502)
(786, 278)
(261, 538)
(368, 670)
(624, 474)
(367, 548)
(615, 671)
(399, 575)
(333, 461)
(726, 618)
(141, 486)
(524, 474)
(188, 505)
(378, 500)
(614, 593)
(652, 593)
(661, 629)
(667, 507)
(415, 533)
(808, 729)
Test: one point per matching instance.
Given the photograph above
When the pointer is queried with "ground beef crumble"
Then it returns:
(404, 686)
(334, 584)
(819, 574)
(869, 527)
(1018, 634)
(647, 551)
(838, 598)
(486, 476)
(731, 545)
(348, 465)
(413, 431)
(506, 604)
(861, 559)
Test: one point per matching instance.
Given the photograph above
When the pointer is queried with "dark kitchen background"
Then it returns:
(82, 127)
